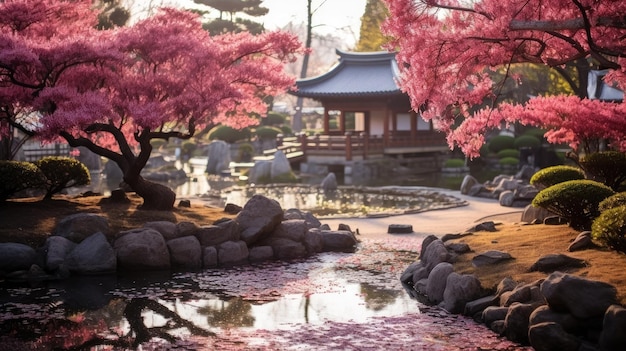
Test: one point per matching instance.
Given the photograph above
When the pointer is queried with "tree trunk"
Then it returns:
(155, 196)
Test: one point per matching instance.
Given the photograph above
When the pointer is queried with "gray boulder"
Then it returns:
(506, 198)
(287, 249)
(261, 170)
(219, 157)
(494, 313)
(435, 253)
(516, 322)
(543, 314)
(186, 228)
(490, 257)
(280, 165)
(166, 228)
(329, 182)
(79, 226)
(460, 289)
(467, 184)
(613, 336)
(142, 249)
(232, 253)
(260, 253)
(308, 217)
(292, 229)
(582, 242)
(94, 255)
(552, 262)
(16, 257)
(57, 248)
(258, 218)
(532, 214)
(213, 235)
(581, 297)
(550, 336)
(437, 281)
(209, 257)
(313, 241)
(185, 253)
(338, 240)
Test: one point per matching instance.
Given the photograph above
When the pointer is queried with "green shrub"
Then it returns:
(608, 167)
(527, 141)
(267, 132)
(245, 152)
(17, 176)
(228, 134)
(454, 163)
(610, 228)
(613, 201)
(273, 119)
(575, 200)
(286, 130)
(508, 153)
(550, 176)
(501, 142)
(509, 161)
(62, 173)
(535, 132)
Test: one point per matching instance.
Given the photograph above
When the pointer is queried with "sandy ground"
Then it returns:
(437, 222)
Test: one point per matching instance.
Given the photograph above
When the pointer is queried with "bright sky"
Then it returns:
(340, 17)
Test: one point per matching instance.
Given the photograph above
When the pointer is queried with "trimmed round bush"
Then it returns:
(613, 201)
(228, 134)
(575, 200)
(267, 133)
(245, 152)
(273, 119)
(509, 161)
(608, 167)
(16, 176)
(454, 163)
(62, 173)
(610, 228)
(550, 176)
(527, 141)
(501, 142)
(508, 153)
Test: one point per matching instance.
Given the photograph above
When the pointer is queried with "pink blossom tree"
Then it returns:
(114, 91)
(447, 49)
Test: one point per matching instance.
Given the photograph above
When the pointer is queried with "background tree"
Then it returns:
(230, 19)
(114, 91)
(370, 36)
(447, 50)
(112, 14)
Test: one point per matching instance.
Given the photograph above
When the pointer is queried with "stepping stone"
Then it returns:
(400, 229)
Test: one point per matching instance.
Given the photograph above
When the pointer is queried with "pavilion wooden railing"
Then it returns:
(353, 145)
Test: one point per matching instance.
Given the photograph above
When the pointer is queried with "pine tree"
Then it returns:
(233, 23)
(371, 37)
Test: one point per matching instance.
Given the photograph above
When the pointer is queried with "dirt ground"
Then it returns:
(30, 221)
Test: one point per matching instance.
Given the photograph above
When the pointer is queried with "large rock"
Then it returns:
(209, 257)
(313, 241)
(533, 214)
(260, 253)
(436, 284)
(261, 170)
(94, 255)
(467, 184)
(329, 182)
(57, 248)
(490, 257)
(543, 314)
(168, 229)
(550, 336)
(613, 335)
(79, 226)
(460, 289)
(581, 297)
(293, 229)
(213, 235)
(287, 249)
(219, 157)
(338, 240)
(258, 218)
(308, 217)
(142, 249)
(434, 254)
(280, 165)
(232, 253)
(516, 322)
(185, 253)
(16, 257)
(552, 262)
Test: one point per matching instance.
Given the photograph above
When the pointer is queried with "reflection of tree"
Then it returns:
(139, 332)
(232, 313)
(375, 298)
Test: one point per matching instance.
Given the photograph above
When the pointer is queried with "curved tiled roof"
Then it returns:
(355, 75)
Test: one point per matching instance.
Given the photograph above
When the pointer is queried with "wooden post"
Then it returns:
(348, 146)
(303, 143)
(366, 144)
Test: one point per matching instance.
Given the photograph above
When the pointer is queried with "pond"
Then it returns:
(333, 301)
